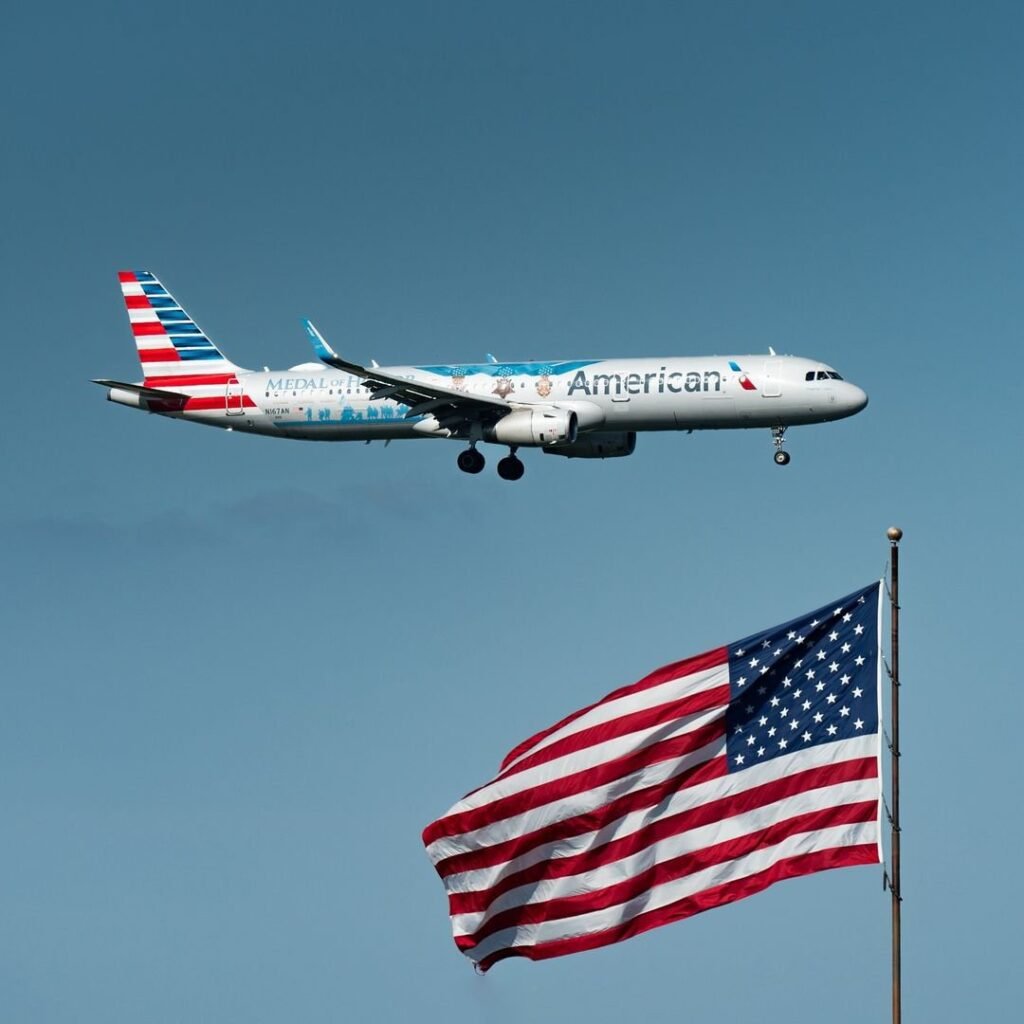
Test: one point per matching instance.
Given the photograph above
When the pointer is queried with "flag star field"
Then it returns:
(810, 681)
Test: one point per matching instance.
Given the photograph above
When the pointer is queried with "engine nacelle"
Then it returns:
(597, 444)
(536, 427)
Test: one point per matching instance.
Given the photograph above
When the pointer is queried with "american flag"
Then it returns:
(706, 781)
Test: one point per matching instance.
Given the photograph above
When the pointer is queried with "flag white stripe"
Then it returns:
(682, 800)
(663, 895)
(723, 831)
(654, 696)
(581, 760)
(569, 806)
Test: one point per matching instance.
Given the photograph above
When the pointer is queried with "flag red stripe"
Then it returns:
(792, 867)
(126, 276)
(646, 718)
(573, 783)
(159, 355)
(663, 828)
(678, 669)
(589, 821)
(136, 301)
(677, 867)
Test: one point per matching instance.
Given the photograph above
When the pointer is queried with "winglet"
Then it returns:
(322, 349)
(327, 355)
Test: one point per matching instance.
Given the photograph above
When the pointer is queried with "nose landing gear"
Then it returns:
(781, 455)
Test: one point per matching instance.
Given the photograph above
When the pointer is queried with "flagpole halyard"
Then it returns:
(895, 534)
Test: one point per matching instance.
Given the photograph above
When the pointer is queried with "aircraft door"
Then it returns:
(771, 386)
(233, 398)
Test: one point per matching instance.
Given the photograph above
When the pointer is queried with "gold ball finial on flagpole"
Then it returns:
(895, 534)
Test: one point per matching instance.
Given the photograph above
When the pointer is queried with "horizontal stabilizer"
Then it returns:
(140, 389)
(138, 396)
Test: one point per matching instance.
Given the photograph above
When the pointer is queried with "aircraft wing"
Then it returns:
(454, 410)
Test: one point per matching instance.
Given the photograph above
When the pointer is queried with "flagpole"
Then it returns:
(895, 534)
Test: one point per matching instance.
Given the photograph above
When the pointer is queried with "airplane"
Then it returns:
(582, 408)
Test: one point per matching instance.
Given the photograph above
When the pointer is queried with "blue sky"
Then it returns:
(240, 675)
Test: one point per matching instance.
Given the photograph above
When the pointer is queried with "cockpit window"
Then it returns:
(809, 375)
(822, 375)
(834, 375)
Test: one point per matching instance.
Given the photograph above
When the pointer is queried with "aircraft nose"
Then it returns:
(854, 398)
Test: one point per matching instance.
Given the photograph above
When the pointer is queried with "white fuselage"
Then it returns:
(317, 402)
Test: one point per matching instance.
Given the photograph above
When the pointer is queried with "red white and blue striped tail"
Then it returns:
(173, 350)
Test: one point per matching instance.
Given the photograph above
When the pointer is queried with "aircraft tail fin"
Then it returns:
(172, 348)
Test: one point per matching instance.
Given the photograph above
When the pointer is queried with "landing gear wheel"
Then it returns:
(471, 461)
(778, 437)
(511, 468)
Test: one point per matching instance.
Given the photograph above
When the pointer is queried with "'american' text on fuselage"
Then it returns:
(645, 383)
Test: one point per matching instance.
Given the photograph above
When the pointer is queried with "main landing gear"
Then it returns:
(781, 455)
(509, 468)
(471, 461)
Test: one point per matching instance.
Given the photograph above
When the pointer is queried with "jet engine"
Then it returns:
(536, 427)
(597, 444)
